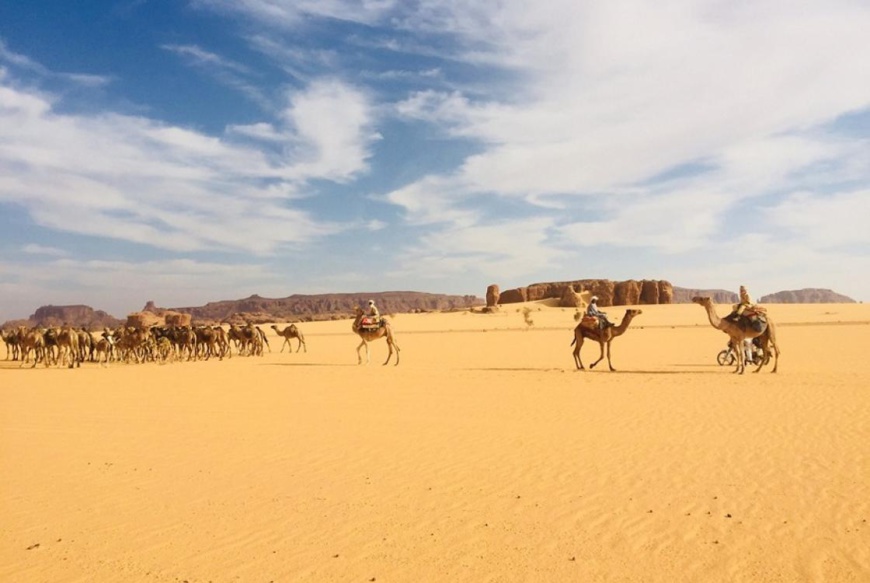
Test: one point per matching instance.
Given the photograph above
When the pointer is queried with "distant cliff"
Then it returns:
(299, 307)
(75, 316)
(806, 296)
(610, 293)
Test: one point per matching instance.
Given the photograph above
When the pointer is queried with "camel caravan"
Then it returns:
(144, 339)
(133, 343)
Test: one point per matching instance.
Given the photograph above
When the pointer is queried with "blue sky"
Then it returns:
(193, 151)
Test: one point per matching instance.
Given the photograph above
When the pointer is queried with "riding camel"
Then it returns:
(289, 332)
(604, 336)
(742, 330)
(370, 333)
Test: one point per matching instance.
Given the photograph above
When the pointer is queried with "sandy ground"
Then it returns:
(484, 456)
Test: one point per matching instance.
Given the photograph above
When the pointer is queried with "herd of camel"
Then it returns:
(65, 346)
(70, 347)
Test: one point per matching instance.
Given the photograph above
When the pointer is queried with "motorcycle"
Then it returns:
(728, 357)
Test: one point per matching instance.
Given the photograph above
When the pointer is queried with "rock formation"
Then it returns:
(806, 296)
(609, 293)
(492, 293)
(76, 316)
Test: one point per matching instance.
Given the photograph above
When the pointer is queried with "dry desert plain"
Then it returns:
(483, 456)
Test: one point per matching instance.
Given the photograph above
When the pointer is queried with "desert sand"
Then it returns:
(483, 456)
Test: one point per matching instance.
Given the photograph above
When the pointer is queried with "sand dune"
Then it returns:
(484, 456)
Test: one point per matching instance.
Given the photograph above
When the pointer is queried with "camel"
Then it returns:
(33, 340)
(604, 336)
(10, 338)
(86, 344)
(68, 347)
(104, 349)
(740, 331)
(368, 335)
(289, 332)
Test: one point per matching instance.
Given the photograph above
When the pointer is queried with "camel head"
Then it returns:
(633, 313)
(704, 301)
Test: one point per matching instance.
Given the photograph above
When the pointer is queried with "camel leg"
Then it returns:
(392, 344)
(359, 356)
(775, 355)
(300, 345)
(578, 342)
(609, 364)
(600, 358)
(741, 356)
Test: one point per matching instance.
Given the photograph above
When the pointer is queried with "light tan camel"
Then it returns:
(604, 336)
(289, 332)
(68, 347)
(33, 340)
(741, 330)
(368, 335)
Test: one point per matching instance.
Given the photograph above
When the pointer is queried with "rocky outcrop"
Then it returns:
(571, 299)
(76, 316)
(492, 293)
(806, 296)
(610, 293)
(299, 307)
(257, 309)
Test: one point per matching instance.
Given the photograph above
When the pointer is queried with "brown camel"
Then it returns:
(10, 338)
(289, 332)
(68, 347)
(371, 333)
(742, 330)
(604, 336)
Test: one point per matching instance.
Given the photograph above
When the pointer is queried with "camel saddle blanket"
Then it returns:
(370, 324)
(590, 322)
(757, 320)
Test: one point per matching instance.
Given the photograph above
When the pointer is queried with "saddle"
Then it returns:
(592, 323)
(754, 317)
(369, 324)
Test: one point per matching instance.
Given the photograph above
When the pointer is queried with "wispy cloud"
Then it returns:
(142, 181)
(36, 249)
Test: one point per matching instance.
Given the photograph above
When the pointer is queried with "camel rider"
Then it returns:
(372, 312)
(745, 302)
(592, 310)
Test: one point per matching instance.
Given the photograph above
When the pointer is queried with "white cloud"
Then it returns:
(139, 180)
(825, 222)
(36, 249)
(332, 124)
(516, 247)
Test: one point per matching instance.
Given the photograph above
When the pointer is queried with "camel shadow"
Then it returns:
(516, 369)
(312, 364)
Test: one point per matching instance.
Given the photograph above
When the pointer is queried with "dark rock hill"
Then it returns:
(75, 316)
(299, 307)
(806, 296)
